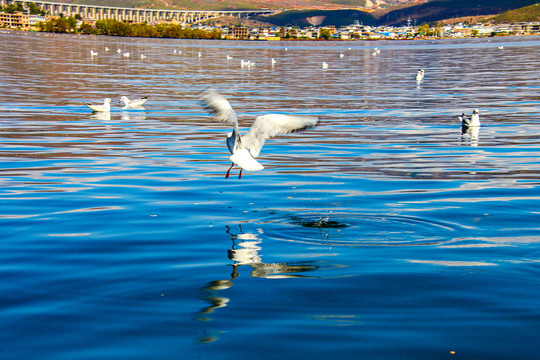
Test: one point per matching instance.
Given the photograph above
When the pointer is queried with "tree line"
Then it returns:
(119, 28)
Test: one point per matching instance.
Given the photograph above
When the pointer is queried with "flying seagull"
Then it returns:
(246, 148)
(473, 121)
(105, 107)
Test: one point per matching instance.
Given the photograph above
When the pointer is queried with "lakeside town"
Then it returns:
(34, 19)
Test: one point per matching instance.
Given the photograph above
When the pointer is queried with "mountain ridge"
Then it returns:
(344, 12)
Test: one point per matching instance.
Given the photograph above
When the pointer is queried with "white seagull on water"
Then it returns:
(473, 121)
(420, 75)
(133, 103)
(105, 107)
(246, 148)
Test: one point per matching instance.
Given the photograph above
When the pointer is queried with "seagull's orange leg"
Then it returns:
(228, 171)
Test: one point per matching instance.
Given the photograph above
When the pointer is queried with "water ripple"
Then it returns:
(344, 229)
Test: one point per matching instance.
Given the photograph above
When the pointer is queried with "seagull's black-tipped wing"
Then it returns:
(218, 106)
(267, 126)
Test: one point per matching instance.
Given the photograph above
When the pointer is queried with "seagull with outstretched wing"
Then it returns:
(246, 148)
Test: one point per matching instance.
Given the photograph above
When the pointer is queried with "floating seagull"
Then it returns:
(199, 54)
(341, 55)
(245, 149)
(143, 56)
(324, 65)
(229, 57)
(137, 103)
(93, 53)
(126, 54)
(247, 63)
(501, 47)
(119, 51)
(106, 48)
(273, 61)
(105, 107)
(473, 121)
(419, 75)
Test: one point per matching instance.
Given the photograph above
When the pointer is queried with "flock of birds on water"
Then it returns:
(245, 148)
(243, 63)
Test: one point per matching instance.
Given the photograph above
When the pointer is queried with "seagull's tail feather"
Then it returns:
(243, 158)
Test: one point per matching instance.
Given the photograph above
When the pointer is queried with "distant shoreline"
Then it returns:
(4, 30)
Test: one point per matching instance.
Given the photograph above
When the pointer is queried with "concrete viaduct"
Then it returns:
(131, 15)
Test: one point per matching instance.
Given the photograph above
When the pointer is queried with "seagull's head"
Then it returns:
(475, 111)
(107, 101)
(123, 99)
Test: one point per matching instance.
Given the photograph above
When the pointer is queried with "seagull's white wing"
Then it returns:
(219, 107)
(138, 102)
(267, 126)
(243, 158)
(96, 108)
(91, 107)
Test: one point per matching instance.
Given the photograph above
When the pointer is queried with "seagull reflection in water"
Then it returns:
(131, 117)
(103, 116)
(245, 251)
(470, 134)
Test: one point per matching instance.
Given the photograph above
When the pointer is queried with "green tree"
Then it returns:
(34, 9)
(325, 34)
(86, 28)
(72, 23)
(424, 30)
(61, 25)
(10, 9)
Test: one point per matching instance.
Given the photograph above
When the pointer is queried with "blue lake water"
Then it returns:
(383, 233)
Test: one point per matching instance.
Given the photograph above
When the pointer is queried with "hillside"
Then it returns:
(436, 10)
(244, 4)
(227, 4)
(320, 18)
(344, 12)
(526, 14)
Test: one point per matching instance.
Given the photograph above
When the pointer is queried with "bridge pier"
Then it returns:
(95, 12)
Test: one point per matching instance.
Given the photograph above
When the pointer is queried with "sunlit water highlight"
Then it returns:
(383, 233)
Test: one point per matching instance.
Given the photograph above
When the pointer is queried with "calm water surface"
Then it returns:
(383, 233)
